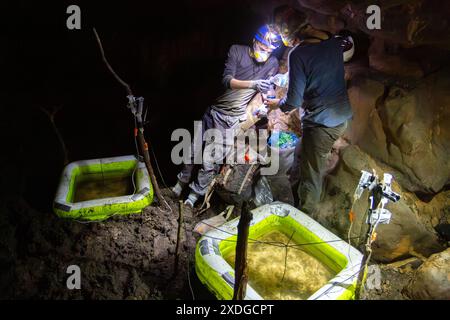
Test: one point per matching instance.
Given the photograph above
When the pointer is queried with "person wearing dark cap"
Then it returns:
(317, 84)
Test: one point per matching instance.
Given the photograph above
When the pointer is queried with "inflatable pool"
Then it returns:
(323, 266)
(99, 188)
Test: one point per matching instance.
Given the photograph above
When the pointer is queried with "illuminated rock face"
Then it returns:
(432, 279)
(406, 129)
(410, 229)
(405, 132)
(399, 91)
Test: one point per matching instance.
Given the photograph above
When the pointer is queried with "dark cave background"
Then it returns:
(172, 54)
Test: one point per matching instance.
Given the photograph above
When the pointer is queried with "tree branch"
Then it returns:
(51, 116)
(141, 138)
(127, 87)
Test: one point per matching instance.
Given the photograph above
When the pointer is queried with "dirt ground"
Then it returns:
(393, 280)
(129, 257)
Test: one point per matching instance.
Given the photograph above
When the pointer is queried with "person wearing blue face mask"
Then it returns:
(247, 72)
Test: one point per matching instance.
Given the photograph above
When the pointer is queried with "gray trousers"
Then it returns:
(315, 147)
(208, 169)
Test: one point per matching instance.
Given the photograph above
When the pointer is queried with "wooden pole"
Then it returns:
(180, 227)
(364, 264)
(140, 135)
(240, 266)
(374, 200)
(143, 146)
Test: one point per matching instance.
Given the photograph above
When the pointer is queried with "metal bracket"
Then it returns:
(383, 189)
(140, 107)
(136, 105)
(379, 216)
(367, 181)
(132, 104)
(387, 189)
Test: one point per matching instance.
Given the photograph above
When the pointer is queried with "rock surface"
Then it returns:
(432, 279)
(409, 23)
(407, 130)
(404, 132)
(392, 64)
(406, 233)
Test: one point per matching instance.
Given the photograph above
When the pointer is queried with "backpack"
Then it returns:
(234, 182)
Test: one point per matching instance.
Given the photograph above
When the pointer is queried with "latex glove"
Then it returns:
(260, 85)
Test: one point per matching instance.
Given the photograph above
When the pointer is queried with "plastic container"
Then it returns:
(283, 143)
(103, 170)
(218, 275)
(281, 80)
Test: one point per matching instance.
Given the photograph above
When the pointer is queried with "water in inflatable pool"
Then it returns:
(302, 276)
(99, 188)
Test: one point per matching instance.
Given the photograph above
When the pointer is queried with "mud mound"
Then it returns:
(122, 258)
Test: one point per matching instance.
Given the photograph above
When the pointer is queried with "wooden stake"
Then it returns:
(369, 238)
(143, 146)
(241, 268)
(360, 282)
(177, 248)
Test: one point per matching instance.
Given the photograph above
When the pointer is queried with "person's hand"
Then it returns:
(272, 104)
(260, 85)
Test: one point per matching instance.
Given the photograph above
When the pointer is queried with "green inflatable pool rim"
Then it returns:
(101, 209)
(218, 276)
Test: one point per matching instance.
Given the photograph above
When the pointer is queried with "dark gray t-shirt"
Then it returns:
(241, 66)
(316, 81)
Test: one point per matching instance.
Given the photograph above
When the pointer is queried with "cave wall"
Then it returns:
(399, 85)
(171, 54)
